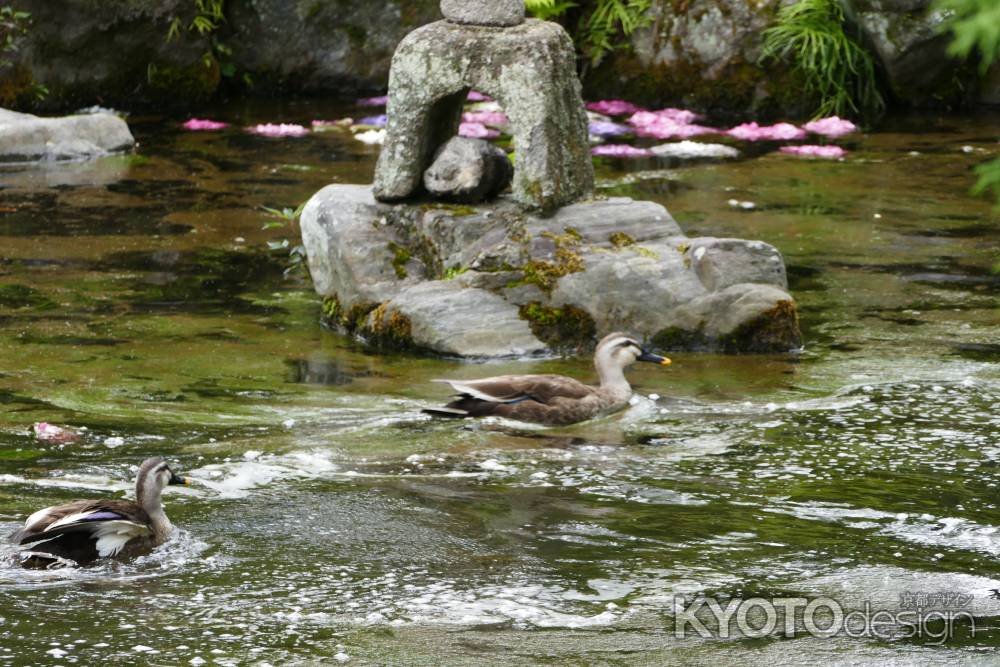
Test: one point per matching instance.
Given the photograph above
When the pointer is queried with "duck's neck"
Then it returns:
(612, 378)
(149, 495)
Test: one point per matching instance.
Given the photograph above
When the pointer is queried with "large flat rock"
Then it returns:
(495, 281)
(27, 138)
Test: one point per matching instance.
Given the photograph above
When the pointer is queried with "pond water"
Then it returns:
(330, 521)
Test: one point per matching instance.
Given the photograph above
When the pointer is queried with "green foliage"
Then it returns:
(811, 35)
(209, 16)
(989, 179)
(17, 81)
(608, 19)
(548, 9)
(600, 24)
(13, 25)
(287, 217)
(975, 26)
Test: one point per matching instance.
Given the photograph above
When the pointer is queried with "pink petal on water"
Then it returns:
(620, 150)
(278, 130)
(613, 107)
(379, 101)
(327, 124)
(477, 131)
(777, 132)
(829, 152)
(201, 124)
(50, 433)
(495, 118)
(831, 127)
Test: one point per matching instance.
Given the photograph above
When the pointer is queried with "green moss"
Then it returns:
(676, 338)
(645, 252)
(400, 256)
(389, 329)
(777, 330)
(350, 320)
(197, 81)
(455, 210)
(621, 239)
(454, 272)
(356, 34)
(562, 327)
(22, 296)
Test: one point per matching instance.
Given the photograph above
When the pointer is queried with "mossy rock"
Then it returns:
(389, 330)
(564, 327)
(776, 330)
(350, 320)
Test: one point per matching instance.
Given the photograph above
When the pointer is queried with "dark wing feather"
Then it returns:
(77, 538)
(514, 388)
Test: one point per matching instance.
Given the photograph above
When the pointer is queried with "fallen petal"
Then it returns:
(831, 127)
(278, 130)
(201, 124)
(50, 433)
(613, 107)
(829, 152)
(620, 150)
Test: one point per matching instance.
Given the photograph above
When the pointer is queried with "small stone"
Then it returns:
(484, 12)
(468, 170)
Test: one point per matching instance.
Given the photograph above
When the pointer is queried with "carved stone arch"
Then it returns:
(528, 68)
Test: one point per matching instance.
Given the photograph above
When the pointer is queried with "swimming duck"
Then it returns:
(553, 400)
(82, 531)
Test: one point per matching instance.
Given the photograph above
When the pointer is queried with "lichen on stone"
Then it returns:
(621, 239)
(400, 256)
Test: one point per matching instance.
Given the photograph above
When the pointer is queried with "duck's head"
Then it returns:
(155, 475)
(621, 350)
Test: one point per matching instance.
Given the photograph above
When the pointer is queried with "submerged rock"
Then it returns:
(26, 138)
(493, 281)
(468, 170)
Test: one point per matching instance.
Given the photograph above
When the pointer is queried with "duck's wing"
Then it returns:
(517, 388)
(83, 530)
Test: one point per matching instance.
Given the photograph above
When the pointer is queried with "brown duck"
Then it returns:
(82, 531)
(554, 400)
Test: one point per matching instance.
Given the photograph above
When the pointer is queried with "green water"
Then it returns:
(330, 521)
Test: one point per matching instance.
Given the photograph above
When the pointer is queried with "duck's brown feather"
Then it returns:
(511, 388)
(76, 541)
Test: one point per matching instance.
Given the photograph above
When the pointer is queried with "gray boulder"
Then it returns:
(27, 138)
(494, 280)
(484, 12)
(468, 170)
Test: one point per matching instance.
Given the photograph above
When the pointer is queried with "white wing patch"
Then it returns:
(67, 520)
(37, 517)
(463, 388)
(112, 536)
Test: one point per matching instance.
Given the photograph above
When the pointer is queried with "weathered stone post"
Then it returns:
(528, 66)
(549, 269)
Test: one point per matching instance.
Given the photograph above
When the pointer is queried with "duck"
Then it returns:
(553, 400)
(81, 532)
